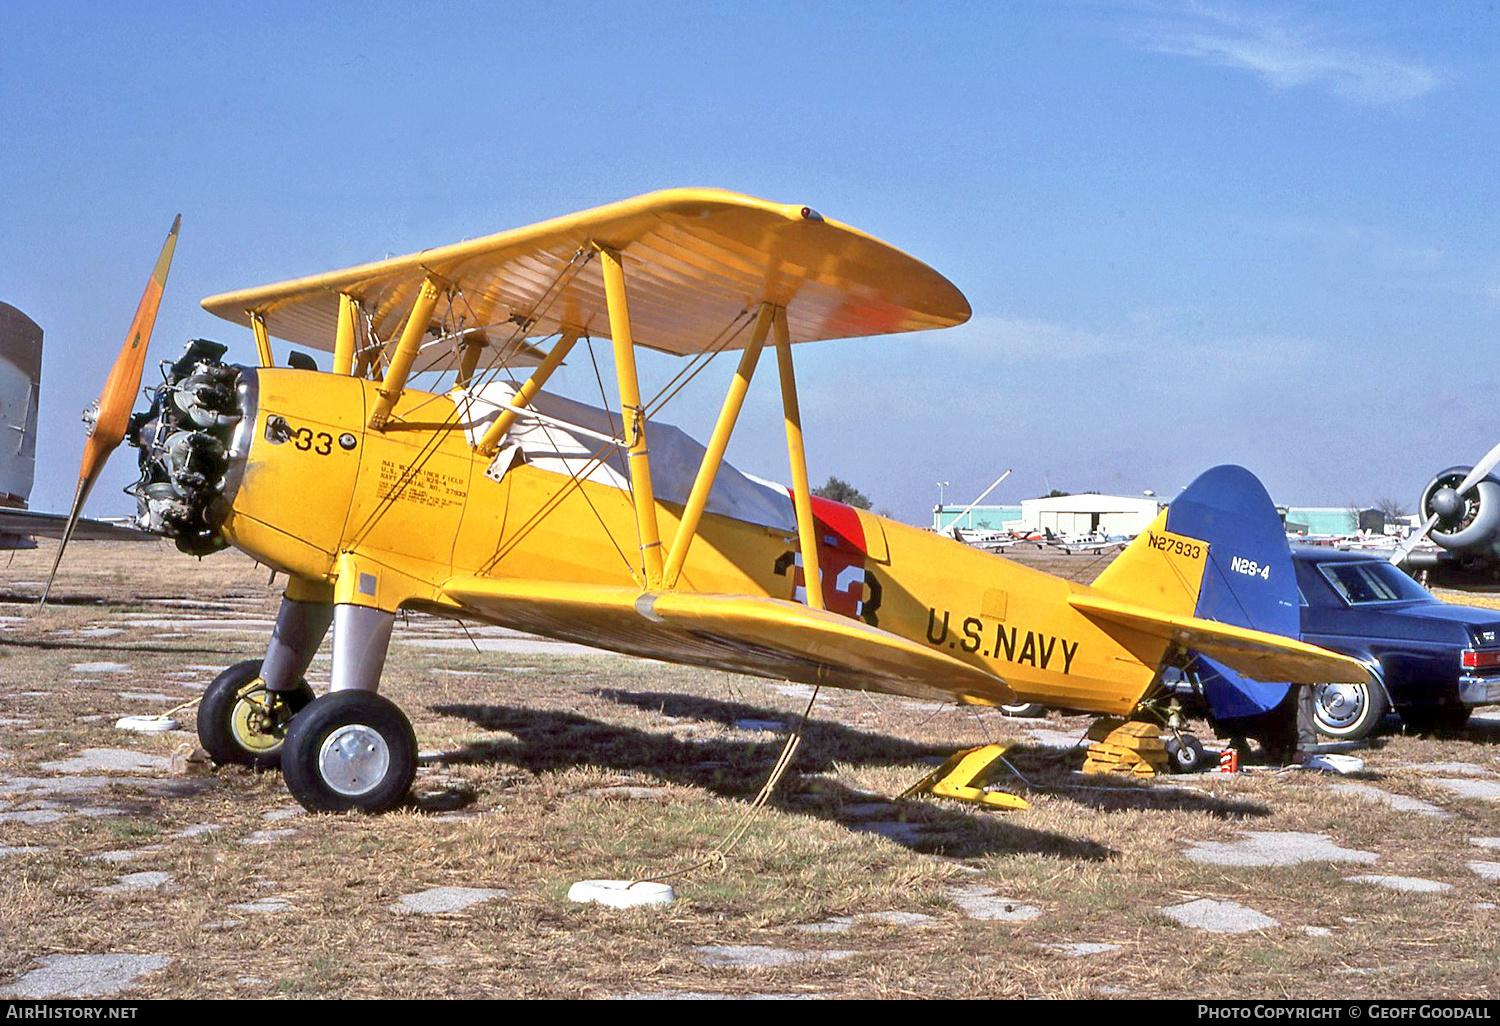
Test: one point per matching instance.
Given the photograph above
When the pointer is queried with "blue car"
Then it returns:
(1433, 662)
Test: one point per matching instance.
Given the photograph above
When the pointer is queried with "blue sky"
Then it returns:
(1191, 233)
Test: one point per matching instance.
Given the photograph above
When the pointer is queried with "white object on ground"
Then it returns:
(621, 893)
(148, 724)
(1340, 764)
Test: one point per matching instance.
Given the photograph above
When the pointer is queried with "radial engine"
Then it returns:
(187, 440)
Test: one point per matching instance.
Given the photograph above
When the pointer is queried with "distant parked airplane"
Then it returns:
(20, 391)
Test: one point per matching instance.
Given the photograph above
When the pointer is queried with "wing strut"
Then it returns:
(807, 531)
(713, 456)
(343, 339)
(406, 352)
(633, 414)
(262, 339)
(490, 443)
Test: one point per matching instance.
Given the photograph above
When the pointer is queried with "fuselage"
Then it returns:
(318, 495)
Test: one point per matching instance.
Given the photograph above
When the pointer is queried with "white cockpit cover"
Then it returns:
(675, 455)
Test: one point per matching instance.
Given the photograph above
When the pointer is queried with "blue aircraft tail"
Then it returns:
(1248, 581)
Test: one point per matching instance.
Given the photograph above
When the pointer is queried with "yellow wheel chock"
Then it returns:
(955, 779)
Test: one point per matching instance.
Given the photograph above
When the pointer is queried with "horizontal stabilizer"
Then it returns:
(757, 635)
(1256, 654)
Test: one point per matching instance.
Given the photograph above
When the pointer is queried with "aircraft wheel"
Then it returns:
(1024, 709)
(1185, 754)
(1348, 712)
(351, 751)
(240, 722)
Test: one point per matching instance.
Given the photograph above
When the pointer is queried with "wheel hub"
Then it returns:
(259, 720)
(1341, 704)
(354, 759)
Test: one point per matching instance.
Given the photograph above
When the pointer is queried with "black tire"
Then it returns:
(1185, 754)
(1435, 719)
(1348, 712)
(1029, 710)
(240, 722)
(350, 751)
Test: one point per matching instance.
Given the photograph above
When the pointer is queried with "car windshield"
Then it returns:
(1376, 581)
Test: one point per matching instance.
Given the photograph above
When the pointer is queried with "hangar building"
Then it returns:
(1115, 514)
(1062, 514)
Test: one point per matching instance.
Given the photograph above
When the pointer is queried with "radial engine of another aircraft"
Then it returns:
(187, 440)
(1465, 521)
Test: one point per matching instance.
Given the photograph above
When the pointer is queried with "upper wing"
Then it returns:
(695, 261)
(1257, 654)
(52, 525)
(744, 634)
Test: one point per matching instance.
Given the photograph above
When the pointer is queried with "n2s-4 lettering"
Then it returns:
(1250, 568)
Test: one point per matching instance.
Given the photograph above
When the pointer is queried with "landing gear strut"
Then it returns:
(348, 751)
(351, 750)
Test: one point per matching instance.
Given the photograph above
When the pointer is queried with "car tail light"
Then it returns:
(1473, 660)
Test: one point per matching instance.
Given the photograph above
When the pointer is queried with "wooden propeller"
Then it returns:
(109, 418)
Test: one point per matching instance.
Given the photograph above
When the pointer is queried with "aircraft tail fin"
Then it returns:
(1219, 552)
(20, 387)
(1214, 575)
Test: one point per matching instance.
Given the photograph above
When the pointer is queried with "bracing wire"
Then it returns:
(721, 851)
(430, 447)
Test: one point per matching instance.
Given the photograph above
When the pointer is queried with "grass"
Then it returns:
(556, 769)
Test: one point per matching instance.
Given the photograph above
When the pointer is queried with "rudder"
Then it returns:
(1243, 576)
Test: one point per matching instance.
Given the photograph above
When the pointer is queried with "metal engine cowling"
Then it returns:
(186, 438)
(1464, 521)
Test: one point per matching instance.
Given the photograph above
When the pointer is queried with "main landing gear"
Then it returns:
(351, 750)
(239, 721)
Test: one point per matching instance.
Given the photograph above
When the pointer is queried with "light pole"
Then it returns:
(941, 485)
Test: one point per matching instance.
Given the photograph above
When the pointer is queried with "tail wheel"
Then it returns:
(1185, 754)
(1024, 709)
(351, 751)
(1348, 712)
(240, 722)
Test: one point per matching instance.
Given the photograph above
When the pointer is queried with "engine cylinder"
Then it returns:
(186, 440)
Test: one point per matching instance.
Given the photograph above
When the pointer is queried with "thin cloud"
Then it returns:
(1019, 341)
(1286, 54)
(1347, 241)
(1022, 339)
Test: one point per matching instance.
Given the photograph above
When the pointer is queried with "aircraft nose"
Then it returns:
(1446, 503)
(187, 443)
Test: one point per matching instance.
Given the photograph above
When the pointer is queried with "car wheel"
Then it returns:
(1028, 709)
(350, 751)
(1436, 719)
(1348, 712)
(240, 722)
(1185, 754)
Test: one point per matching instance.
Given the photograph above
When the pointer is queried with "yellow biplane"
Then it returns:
(497, 501)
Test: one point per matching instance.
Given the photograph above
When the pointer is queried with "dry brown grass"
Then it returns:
(531, 796)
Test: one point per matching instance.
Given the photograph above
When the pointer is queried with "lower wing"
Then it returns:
(740, 633)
